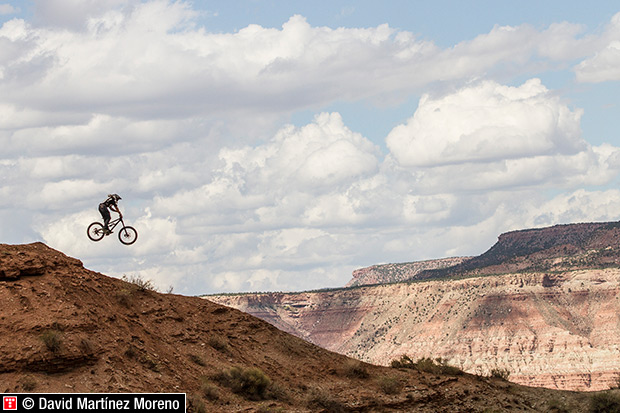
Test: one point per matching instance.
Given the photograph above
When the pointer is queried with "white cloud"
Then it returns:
(486, 122)
(189, 126)
(6, 8)
(488, 136)
(604, 64)
(148, 58)
(288, 171)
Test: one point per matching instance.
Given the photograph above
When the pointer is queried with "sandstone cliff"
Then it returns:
(555, 325)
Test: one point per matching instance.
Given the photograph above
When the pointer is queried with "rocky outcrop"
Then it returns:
(542, 304)
(31, 260)
(390, 273)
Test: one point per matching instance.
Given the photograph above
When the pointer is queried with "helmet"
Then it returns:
(115, 197)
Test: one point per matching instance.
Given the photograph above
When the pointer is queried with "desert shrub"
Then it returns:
(218, 343)
(427, 365)
(605, 402)
(197, 359)
(250, 383)
(141, 283)
(403, 362)
(557, 406)
(277, 392)
(196, 404)
(209, 390)
(52, 340)
(355, 369)
(124, 297)
(28, 384)
(320, 399)
(389, 385)
(500, 373)
(131, 352)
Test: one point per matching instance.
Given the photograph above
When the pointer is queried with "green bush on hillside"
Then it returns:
(428, 365)
(605, 402)
(250, 383)
(52, 340)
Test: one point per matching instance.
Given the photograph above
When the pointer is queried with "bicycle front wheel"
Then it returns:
(128, 235)
(95, 231)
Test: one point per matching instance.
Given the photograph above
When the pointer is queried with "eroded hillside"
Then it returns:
(64, 328)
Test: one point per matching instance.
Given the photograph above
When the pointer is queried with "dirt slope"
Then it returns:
(64, 328)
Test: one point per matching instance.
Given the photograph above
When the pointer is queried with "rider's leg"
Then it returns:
(105, 214)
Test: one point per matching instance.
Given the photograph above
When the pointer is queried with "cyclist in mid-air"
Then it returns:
(111, 203)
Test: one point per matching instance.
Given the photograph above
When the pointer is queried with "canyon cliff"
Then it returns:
(543, 304)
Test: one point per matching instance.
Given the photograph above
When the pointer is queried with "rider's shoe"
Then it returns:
(107, 231)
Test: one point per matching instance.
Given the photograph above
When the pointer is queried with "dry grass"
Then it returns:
(389, 385)
(427, 365)
(52, 340)
(355, 369)
(250, 383)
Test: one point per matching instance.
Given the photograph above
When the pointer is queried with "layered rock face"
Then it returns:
(555, 331)
(557, 325)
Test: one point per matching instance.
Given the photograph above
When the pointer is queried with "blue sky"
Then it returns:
(279, 145)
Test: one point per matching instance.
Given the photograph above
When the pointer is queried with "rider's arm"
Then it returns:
(115, 208)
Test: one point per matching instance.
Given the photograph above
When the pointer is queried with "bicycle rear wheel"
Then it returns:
(128, 235)
(95, 231)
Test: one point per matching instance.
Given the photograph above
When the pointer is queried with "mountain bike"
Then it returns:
(127, 235)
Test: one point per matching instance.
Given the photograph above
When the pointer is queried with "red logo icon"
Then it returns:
(9, 403)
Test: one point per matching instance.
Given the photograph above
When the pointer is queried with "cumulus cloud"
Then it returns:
(487, 122)
(489, 136)
(254, 183)
(577, 206)
(115, 65)
(604, 64)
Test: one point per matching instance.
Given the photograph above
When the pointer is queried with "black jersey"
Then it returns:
(109, 202)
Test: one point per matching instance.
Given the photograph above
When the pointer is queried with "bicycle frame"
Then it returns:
(113, 223)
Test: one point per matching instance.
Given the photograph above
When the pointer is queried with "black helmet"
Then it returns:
(115, 197)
